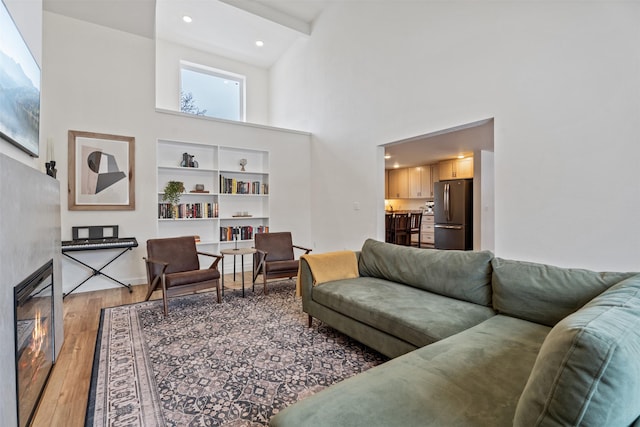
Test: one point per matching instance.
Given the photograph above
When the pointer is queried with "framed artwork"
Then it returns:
(20, 84)
(101, 171)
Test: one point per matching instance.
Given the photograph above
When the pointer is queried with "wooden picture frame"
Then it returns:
(101, 171)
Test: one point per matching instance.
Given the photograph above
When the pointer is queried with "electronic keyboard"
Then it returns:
(107, 243)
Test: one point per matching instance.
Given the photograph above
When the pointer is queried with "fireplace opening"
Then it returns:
(34, 339)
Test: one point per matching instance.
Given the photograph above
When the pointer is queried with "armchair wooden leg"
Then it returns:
(218, 291)
(152, 287)
(165, 299)
(310, 320)
(264, 280)
(166, 304)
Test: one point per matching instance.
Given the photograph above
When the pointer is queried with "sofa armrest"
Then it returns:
(306, 282)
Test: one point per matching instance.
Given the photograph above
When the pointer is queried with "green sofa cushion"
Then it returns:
(588, 369)
(463, 275)
(471, 379)
(545, 294)
(413, 315)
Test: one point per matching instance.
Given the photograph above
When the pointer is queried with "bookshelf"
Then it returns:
(234, 203)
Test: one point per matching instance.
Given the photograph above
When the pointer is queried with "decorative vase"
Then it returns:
(185, 160)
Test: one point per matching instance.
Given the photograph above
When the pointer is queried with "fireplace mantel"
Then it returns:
(30, 236)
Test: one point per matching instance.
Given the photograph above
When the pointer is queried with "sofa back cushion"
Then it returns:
(545, 294)
(463, 275)
(588, 369)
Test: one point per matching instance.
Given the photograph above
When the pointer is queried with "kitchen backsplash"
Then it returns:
(405, 204)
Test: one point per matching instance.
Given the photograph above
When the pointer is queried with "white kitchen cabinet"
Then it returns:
(398, 184)
(420, 182)
(427, 235)
(456, 169)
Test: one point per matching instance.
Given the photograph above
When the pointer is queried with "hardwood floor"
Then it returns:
(64, 401)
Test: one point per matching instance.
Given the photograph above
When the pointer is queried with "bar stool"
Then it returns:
(415, 226)
(401, 229)
(388, 227)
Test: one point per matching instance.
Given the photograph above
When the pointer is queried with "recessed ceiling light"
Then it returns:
(395, 165)
(461, 156)
(259, 43)
(387, 156)
(187, 19)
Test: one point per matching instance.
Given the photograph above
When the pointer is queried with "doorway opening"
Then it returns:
(412, 166)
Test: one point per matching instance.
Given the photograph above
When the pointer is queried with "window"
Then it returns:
(209, 92)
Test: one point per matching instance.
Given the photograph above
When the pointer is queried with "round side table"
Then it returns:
(235, 252)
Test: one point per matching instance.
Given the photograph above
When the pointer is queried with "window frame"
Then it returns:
(223, 74)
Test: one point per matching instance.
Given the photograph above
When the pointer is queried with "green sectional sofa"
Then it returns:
(478, 341)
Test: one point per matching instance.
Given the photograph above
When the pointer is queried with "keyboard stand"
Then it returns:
(97, 272)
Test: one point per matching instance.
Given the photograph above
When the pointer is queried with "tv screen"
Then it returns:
(19, 88)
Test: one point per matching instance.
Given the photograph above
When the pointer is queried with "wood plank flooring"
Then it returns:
(64, 401)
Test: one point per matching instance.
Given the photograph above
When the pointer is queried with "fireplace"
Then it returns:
(34, 339)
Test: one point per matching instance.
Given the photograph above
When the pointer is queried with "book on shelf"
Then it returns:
(187, 210)
(246, 232)
(234, 186)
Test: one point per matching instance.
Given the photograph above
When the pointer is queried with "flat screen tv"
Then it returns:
(19, 88)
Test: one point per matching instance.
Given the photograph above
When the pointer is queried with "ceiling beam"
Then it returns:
(271, 14)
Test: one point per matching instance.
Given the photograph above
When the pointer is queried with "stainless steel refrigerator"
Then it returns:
(453, 211)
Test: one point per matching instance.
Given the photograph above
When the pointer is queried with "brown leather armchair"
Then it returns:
(274, 257)
(173, 264)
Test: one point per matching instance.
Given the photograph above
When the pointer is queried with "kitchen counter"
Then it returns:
(410, 211)
(427, 236)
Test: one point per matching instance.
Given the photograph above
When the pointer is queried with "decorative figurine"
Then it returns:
(51, 168)
(188, 161)
(243, 163)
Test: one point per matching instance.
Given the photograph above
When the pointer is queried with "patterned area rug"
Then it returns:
(232, 364)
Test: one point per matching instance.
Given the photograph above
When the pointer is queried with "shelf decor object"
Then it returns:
(172, 192)
(243, 163)
(101, 171)
(50, 165)
(188, 161)
(51, 168)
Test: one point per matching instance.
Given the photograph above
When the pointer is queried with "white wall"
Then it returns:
(106, 90)
(112, 90)
(484, 229)
(168, 57)
(560, 79)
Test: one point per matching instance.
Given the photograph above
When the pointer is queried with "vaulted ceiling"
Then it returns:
(230, 28)
(225, 27)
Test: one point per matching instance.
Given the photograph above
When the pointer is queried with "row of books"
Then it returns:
(241, 233)
(233, 186)
(188, 210)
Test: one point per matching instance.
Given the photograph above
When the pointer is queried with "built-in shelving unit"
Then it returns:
(232, 207)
